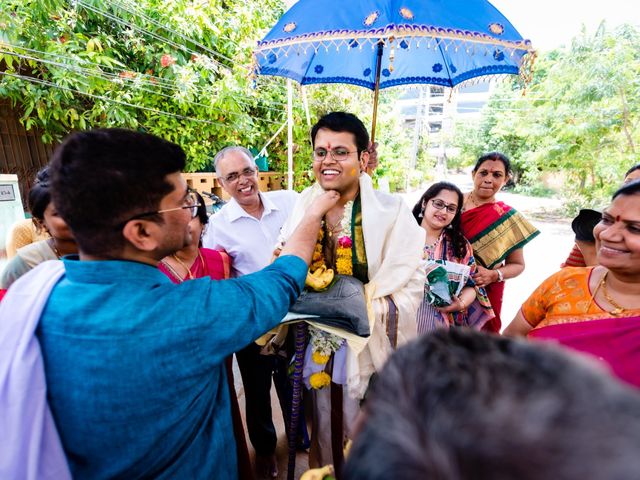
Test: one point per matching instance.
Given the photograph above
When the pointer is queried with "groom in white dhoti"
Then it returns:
(372, 236)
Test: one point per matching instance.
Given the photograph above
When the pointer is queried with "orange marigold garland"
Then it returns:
(344, 259)
(318, 258)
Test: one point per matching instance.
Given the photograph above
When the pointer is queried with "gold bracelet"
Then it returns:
(462, 303)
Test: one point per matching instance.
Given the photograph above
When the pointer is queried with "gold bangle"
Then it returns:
(462, 303)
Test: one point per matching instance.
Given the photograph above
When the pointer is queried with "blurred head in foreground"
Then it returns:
(459, 404)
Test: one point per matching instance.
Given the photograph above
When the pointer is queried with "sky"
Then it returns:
(552, 23)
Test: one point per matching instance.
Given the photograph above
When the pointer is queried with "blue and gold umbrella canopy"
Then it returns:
(390, 42)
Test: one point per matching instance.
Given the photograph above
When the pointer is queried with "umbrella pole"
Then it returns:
(376, 91)
(289, 135)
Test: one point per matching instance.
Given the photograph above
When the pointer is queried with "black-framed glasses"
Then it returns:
(339, 154)
(439, 205)
(190, 202)
(234, 176)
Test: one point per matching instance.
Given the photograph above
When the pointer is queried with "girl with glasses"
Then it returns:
(438, 213)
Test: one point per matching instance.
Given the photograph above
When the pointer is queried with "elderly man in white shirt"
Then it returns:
(247, 228)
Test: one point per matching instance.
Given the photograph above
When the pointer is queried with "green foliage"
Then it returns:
(162, 66)
(580, 116)
(394, 152)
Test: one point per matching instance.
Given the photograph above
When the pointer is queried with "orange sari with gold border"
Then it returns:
(562, 309)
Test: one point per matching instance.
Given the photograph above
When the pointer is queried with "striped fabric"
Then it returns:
(575, 258)
(428, 319)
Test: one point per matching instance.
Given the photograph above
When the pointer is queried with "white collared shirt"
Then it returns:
(249, 241)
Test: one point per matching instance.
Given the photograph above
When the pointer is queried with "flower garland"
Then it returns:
(344, 254)
(324, 344)
(317, 260)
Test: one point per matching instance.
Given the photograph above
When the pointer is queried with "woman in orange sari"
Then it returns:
(596, 310)
(496, 231)
(583, 252)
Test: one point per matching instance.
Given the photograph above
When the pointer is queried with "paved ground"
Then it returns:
(543, 255)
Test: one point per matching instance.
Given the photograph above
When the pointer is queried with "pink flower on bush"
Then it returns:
(167, 60)
(345, 242)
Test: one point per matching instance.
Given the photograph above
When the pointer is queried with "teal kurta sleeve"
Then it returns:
(240, 310)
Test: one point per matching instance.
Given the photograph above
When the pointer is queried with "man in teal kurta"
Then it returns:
(134, 364)
(135, 367)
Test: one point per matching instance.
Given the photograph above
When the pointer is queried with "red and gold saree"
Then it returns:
(495, 230)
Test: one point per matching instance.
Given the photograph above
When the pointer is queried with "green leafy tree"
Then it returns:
(579, 117)
(161, 66)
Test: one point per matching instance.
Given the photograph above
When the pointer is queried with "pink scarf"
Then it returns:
(615, 341)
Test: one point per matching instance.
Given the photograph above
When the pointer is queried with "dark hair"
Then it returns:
(632, 169)
(101, 178)
(630, 188)
(460, 404)
(458, 241)
(202, 209)
(343, 122)
(584, 223)
(494, 156)
(40, 195)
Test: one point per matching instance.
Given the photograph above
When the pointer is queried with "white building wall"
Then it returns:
(437, 109)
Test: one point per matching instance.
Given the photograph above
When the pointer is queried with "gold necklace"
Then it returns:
(470, 199)
(189, 275)
(331, 229)
(618, 308)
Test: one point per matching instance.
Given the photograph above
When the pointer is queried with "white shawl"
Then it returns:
(30, 447)
(393, 243)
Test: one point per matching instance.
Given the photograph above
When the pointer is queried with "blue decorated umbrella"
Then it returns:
(385, 43)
